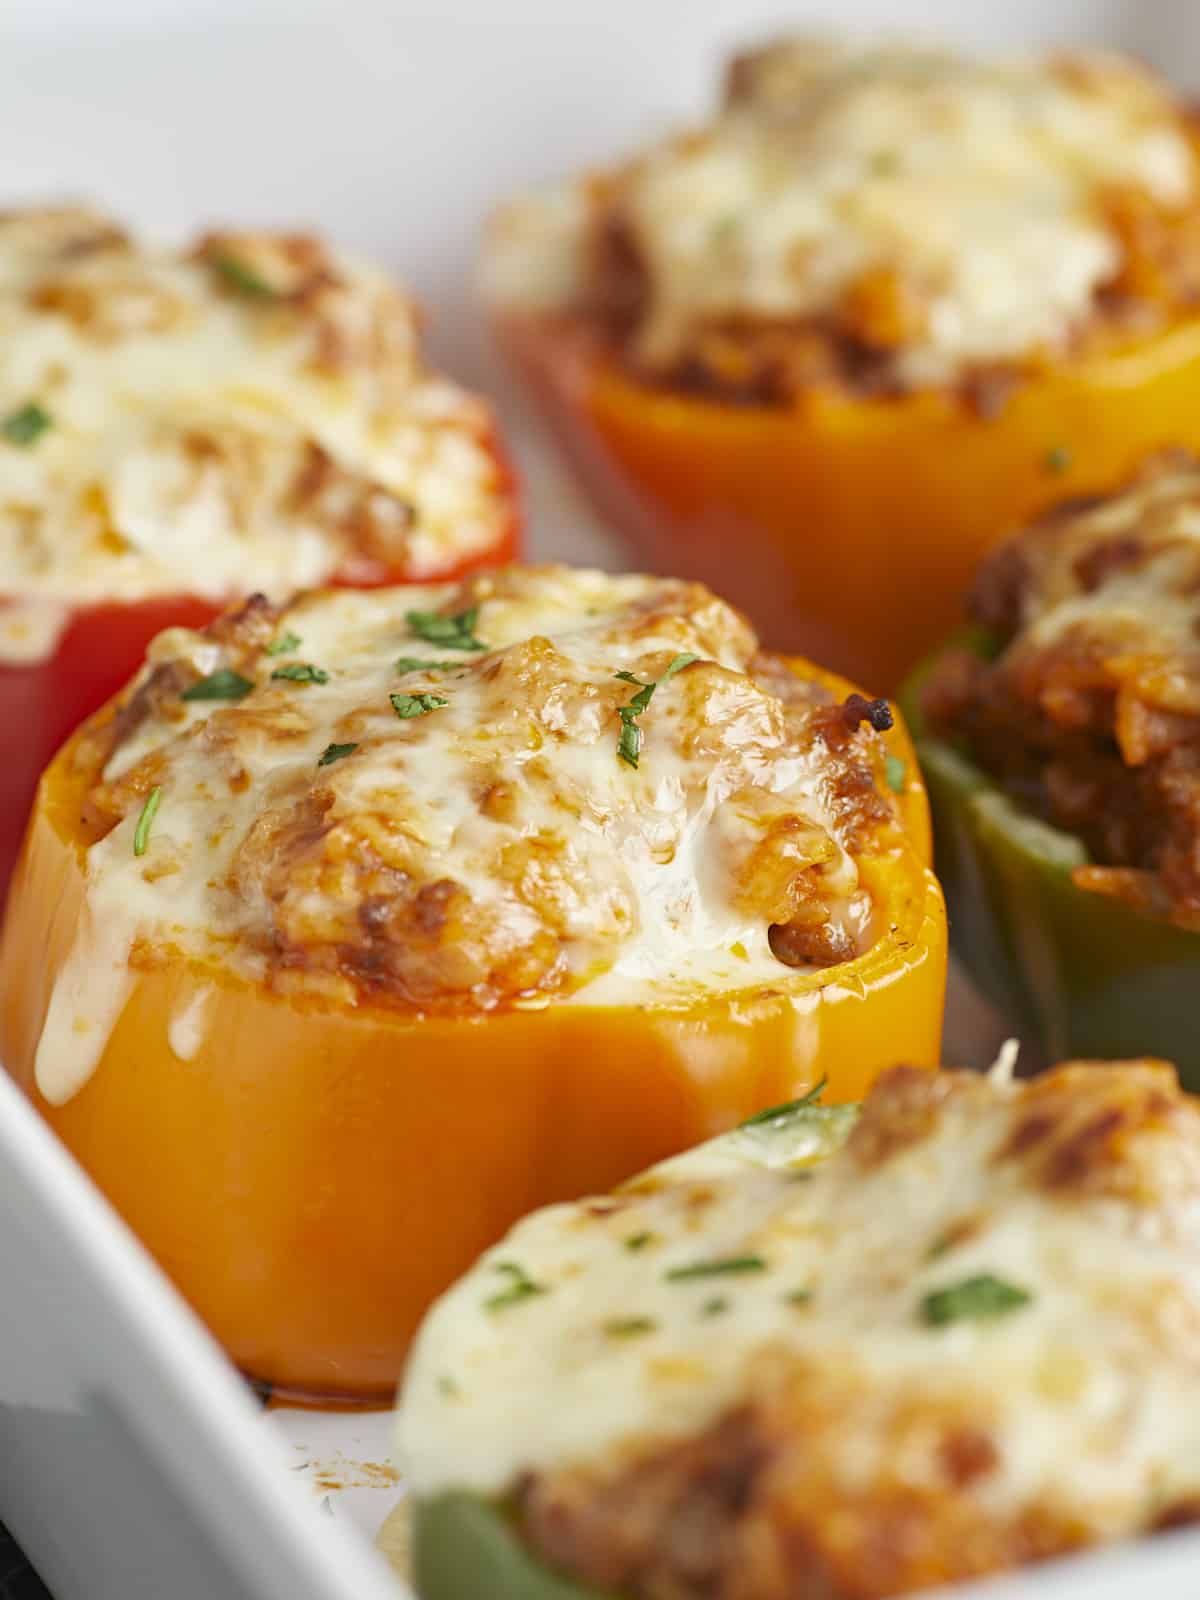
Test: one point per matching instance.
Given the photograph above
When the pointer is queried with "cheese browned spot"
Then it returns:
(1090, 711)
(251, 412)
(883, 216)
(481, 839)
(963, 1348)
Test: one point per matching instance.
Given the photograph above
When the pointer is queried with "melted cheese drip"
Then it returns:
(646, 905)
(980, 184)
(183, 418)
(1083, 1381)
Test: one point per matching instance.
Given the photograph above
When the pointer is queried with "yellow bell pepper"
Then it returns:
(314, 1176)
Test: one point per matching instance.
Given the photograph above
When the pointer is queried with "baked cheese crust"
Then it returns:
(536, 784)
(252, 411)
(965, 1340)
(881, 215)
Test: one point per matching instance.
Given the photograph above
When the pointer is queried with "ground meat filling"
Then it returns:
(1089, 713)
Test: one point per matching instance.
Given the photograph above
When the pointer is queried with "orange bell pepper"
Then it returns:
(850, 527)
(313, 1177)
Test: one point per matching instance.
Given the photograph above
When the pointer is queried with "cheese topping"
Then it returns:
(991, 1291)
(335, 815)
(251, 413)
(951, 212)
(1124, 574)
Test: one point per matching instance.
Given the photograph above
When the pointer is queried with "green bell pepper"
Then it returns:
(465, 1548)
(1088, 975)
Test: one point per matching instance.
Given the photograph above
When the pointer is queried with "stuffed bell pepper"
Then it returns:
(360, 926)
(179, 428)
(887, 303)
(823, 1358)
(1060, 739)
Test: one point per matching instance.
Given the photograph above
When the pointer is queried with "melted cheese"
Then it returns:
(978, 186)
(1086, 1391)
(209, 437)
(492, 850)
(1142, 604)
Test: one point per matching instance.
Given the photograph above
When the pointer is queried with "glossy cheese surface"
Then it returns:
(954, 211)
(537, 783)
(250, 412)
(974, 1315)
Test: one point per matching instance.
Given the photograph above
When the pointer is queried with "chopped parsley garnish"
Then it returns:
(412, 664)
(789, 1108)
(629, 745)
(979, 1298)
(520, 1287)
(223, 684)
(731, 1266)
(896, 773)
(1058, 459)
(629, 1327)
(638, 1241)
(799, 1297)
(416, 705)
(715, 1306)
(447, 1387)
(336, 752)
(26, 424)
(456, 632)
(284, 644)
(302, 672)
(241, 276)
(141, 834)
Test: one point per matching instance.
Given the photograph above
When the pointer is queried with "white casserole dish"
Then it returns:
(134, 1464)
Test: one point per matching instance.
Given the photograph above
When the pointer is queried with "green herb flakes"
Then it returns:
(731, 1266)
(301, 672)
(284, 644)
(416, 705)
(896, 773)
(26, 424)
(629, 745)
(240, 276)
(714, 1307)
(788, 1109)
(1057, 460)
(223, 684)
(336, 752)
(799, 1297)
(141, 834)
(456, 632)
(629, 1327)
(638, 1241)
(413, 664)
(520, 1287)
(979, 1298)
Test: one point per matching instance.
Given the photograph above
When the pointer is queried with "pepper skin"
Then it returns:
(100, 649)
(1088, 975)
(849, 527)
(312, 1177)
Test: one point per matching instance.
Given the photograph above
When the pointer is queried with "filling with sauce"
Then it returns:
(1087, 707)
(536, 784)
(839, 1357)
(250, 412)
(879, 216)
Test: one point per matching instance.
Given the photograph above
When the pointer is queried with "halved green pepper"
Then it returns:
(1089, 975)
(466, 1548)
